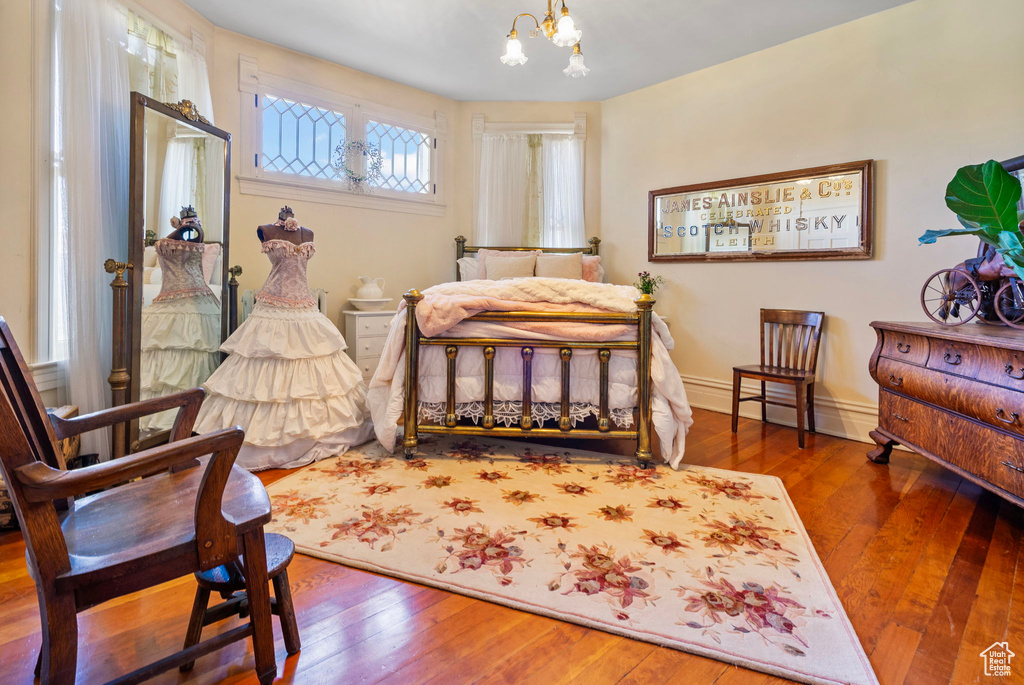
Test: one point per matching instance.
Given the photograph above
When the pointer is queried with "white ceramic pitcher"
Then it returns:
(371, 288)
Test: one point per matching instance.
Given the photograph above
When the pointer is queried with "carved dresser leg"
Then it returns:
(880, 455)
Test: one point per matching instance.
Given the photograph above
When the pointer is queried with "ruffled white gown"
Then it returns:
(288, 381)
(180, 329)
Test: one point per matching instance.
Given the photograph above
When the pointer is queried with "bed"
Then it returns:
(529, 356)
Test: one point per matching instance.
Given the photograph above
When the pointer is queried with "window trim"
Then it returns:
(254, 180)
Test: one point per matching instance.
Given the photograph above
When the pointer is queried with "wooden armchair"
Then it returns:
(193, 512)
(789, 354)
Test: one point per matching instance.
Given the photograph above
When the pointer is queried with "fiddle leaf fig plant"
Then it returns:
(984, 198)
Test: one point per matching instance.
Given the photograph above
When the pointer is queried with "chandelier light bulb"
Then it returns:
(513, 51)
(566, 33)
(576, 68)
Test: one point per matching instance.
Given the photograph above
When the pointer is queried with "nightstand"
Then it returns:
(365, 333)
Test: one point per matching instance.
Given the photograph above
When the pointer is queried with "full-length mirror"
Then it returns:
(178, 313)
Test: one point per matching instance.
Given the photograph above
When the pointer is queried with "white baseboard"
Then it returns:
(852, 420)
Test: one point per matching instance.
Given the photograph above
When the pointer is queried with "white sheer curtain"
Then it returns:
(562, 219)
(91, 184)
(504, 169)
(185, 181)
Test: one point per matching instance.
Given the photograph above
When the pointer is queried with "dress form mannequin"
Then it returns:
(287, 381)
(181, 328)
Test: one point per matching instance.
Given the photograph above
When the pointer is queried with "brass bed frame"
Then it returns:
(641, 318)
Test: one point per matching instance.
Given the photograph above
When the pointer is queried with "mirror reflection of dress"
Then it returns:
(180, 329)
(287, 381)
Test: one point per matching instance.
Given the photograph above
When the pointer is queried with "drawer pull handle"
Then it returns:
(900, 418)
(894, 380)
(953, 359)
(903, 347)
(1013, 416)
(1009, 372)
(1012, 466)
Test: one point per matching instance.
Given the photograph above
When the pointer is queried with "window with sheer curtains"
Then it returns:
(530, 190)
(101, 52)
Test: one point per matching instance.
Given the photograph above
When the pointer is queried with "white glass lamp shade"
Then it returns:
(513, 53)
(576, 67)
(566, 33)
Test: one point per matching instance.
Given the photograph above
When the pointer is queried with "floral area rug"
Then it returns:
(707, 561)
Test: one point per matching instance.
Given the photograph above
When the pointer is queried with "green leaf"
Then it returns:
(929, 237)
(986, 195)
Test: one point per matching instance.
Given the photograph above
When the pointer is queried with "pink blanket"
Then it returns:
(446, 305)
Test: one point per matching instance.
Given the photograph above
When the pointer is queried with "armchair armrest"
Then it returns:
(189, 402)
(42, 483)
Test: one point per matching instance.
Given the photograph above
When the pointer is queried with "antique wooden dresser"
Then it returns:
(954, 395)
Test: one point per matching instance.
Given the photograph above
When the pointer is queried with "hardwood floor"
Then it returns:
(929, 567)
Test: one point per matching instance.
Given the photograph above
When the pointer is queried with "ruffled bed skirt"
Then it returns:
(289, 384)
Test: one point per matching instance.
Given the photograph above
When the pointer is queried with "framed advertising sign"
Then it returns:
(818, 213)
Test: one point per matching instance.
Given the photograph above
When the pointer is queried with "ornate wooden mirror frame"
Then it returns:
(126, 387)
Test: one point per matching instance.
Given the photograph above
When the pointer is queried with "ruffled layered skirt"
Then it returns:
(179, 345)
(290, 385)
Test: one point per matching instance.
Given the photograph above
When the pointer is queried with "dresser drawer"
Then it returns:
(367, 366)
(905, 347)
(996, 406)
(948, 356)
(372, 325)
(1002, 367)
(979, 450)
(369, 347)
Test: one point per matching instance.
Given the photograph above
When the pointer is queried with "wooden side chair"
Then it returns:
(789, 354)
(189, 512)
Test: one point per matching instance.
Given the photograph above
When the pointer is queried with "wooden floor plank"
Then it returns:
(926, 564)
(937, 653)
(895, 650)
(988, 621)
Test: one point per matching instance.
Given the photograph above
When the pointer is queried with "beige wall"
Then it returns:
(408, 250)
(534, 113)
(17, 259)
(922, 89)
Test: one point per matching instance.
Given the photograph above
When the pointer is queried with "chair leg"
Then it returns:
(810, 408)
(58, 656)
(286, 612)
(764, 403)
(258, 591)
(195, 623)
(801, 413)
(736, 378)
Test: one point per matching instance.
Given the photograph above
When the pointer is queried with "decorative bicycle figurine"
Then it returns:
(983, 287)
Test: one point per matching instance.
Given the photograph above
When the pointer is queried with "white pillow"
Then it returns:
(510, 267)
(484, 254)
(149, 256)
(469, 269)
(156, 276)
(560, 265)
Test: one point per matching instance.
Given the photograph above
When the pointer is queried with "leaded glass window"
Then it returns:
(406, 157)
(299, 138)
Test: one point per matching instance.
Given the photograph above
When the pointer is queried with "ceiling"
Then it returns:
(451, 47)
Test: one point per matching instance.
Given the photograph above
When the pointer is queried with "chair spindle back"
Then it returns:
(789, 338)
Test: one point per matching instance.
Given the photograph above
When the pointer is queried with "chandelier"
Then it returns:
(563, 34)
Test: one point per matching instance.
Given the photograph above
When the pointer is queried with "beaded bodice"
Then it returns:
(286, 286)
(181, 266)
